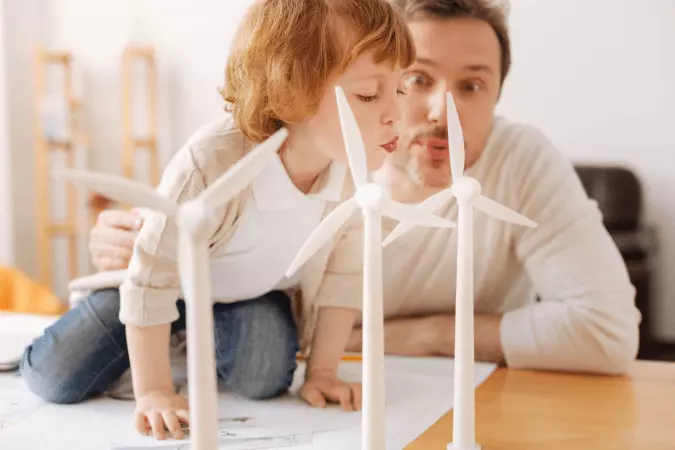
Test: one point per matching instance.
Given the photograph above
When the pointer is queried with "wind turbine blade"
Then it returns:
(401, 230)
(243, 172)
(321, 234)
(356, 151)
(501, 212)
(436, 201)
(455, 140)
(121, 189)
(430, 205)
(414, 215)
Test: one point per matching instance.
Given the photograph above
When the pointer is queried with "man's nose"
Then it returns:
(437, 107)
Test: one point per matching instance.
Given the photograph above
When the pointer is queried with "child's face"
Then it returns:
(372, 91)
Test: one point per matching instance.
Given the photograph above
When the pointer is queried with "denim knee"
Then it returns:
(265, 347)
(262, 389)
(80, 351)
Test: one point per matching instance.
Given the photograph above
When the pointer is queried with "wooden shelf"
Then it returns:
(58, 145)
(144, 143)
(132, 143)
(62, 228)
(49, 229)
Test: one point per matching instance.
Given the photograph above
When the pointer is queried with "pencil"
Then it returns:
(348, 358)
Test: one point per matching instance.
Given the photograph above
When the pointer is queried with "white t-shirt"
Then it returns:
(274, 224)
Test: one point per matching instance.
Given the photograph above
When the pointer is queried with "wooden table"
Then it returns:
(523, 410)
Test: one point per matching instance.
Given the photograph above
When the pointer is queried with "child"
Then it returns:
(286, 59)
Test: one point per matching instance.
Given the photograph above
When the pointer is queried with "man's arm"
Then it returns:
(435, 336)
(586, 320)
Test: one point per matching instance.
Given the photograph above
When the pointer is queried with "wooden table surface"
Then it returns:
(526, 410)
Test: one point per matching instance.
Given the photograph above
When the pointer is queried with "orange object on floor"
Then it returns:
(20, 294)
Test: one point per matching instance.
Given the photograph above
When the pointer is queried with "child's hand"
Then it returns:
(159, 409)
(320, 387)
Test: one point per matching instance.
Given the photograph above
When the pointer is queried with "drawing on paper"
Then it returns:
(236, 419)
(223, 425)
(257, 443)
(240, 432)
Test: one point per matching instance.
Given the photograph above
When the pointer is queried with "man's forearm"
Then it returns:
(441, 339)
(435, 336)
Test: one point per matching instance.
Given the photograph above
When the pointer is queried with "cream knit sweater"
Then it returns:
(586, 319)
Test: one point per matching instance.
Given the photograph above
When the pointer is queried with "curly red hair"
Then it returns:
(285, 51)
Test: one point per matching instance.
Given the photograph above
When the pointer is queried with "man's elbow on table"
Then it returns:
(610, 334)
(617, 342)
(572, 336)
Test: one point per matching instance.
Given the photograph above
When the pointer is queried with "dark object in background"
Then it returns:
(618, 192)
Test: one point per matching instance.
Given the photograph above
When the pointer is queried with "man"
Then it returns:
(586, 318)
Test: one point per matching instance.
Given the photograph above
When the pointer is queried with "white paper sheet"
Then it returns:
(17, 331)
(16, 406)
(419, 392)
(247, 443)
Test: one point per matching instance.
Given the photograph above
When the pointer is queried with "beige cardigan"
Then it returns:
(152, 286)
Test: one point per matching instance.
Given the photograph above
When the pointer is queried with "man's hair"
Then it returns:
(490, 11)
(285, 51)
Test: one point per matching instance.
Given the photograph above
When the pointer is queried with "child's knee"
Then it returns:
(270, 385)
(269, 324)
(105, 305)
(261, 372)
(55, 386)
(58, 365)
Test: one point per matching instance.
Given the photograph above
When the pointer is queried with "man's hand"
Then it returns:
(322, 387)
(111, 241)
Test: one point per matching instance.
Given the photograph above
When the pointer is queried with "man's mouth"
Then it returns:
(390, 146)
(437, 149)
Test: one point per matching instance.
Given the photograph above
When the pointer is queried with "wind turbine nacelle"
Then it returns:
(370, 196)
(194, 218)
(466, 189)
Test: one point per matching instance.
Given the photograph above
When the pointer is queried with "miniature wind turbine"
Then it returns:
(373, 202)
(192, 219)
(467, 191)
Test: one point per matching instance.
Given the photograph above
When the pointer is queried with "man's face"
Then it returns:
(461, 56)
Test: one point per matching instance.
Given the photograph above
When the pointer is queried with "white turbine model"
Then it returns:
(192, 219)
(373, 203)
(467, 191)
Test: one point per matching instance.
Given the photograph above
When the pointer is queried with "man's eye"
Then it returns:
(367, 98)
(470, 87)
(416, 79)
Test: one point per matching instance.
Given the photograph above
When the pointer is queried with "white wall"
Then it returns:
(192, 48)
(24, 28)
(192, 45)
(598, 77)
(6, 207)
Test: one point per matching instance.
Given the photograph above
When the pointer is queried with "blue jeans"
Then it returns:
(85, 351)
